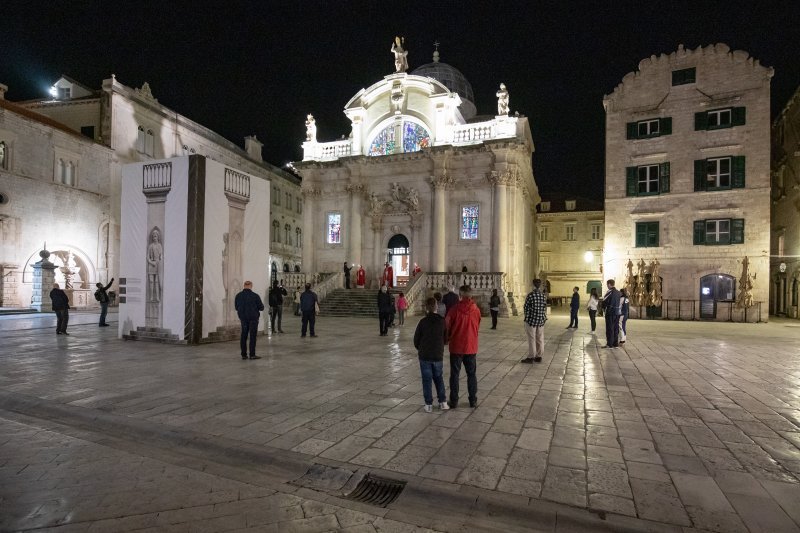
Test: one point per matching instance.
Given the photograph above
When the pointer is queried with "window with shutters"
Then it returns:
(544, 233)
(596, 232)
(719, 231)
(647, 234)
(684, 76)
(647, 180)
(719, 173)
(720, 118)
(569, 232)
(646, 129)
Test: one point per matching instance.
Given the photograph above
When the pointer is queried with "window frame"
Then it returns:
(569, 231)
(734, 235)
(544, 233)
(646, 228)
(648, 180)
(598, 235)
(328, 216)
(684, 76)
(718, 174)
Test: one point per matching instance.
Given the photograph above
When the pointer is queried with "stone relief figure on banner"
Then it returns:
(502, 100)
(400, 55)
(155, 258)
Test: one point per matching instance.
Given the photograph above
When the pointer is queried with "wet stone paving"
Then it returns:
(688, 427)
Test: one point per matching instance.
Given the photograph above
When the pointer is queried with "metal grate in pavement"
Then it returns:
(377, 490)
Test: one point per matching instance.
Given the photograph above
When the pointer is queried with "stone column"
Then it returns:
(439, 245)
(500, 242)
(354, 231)
(237, 191)
(310, 230)
(413, 257)
(9, 285)
(44, 275)
(378, 258)
(156, 184)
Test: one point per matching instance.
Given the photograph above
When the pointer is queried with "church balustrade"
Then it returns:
(473, 132)
(476, 280)
(332, 150)
(327, 284)
(299, 279)
(416, 291)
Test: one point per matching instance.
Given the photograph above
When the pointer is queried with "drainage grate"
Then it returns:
(376, 490)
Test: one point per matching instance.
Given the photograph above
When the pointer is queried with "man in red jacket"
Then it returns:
(462, 322)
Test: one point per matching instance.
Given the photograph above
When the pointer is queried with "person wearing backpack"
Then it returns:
(102, 296)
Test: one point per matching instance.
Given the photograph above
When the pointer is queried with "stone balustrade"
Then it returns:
(476, 280)
(328, 151)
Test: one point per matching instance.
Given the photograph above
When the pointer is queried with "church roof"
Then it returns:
(454, 80)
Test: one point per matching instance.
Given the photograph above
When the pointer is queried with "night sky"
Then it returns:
(243, 68)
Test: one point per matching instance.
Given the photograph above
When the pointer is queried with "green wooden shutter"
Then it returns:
(700, 174)
(738, 115)
(665, 126)
(652, 234)
(632, 130)
(641, 234)
(738, 166)
(701, 121)
(737, 231)
(663, 176)
(632, 180)
(699, 232)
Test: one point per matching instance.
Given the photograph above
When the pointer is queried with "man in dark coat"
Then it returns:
(308, 308)
(450, 299)
(249, 306)
(574, 305)
(347, 270)
(275, 299)
(61, 307)
(384, 310)
(611, 313)
(102, 296)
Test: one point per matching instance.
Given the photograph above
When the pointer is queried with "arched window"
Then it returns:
(140, 140)
(276, 231)
(3, 155)
(69, 178)
(61, 171)
(299, 237)
(149, 143)
(288, 229)
(414, 138)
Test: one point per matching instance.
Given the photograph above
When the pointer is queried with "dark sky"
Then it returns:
(258, 67)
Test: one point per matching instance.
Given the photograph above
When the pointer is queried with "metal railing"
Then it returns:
(679, 309)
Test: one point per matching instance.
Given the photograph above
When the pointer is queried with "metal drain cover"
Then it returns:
(377, 490)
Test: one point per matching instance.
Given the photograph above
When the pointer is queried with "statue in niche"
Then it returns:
(502, 100)
(311, 128)
(155, 257)
(400, 55)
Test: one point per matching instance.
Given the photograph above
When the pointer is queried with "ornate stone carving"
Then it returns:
(502, 100)
(311, 191)
(311, 128)
(402, 200)
(145, 92)
(397, 97)
(442, 181)
(509, 176)
(355, 188)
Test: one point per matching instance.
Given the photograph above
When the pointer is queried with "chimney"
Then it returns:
(253, 147)
(3, 89)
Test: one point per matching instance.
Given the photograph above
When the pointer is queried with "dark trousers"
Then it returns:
(276, 312)
(347, 282)
(309, 317)
(384, 317)
(470, 365)
(62, 316)
(249, 327)
(573, 318)
(103, 312)
(593, 318)
(612, 329)
(494, 318)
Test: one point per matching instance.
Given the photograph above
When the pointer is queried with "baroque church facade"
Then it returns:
(422, 181)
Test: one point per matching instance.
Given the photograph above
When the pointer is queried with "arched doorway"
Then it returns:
(715, 288)
(399, 256)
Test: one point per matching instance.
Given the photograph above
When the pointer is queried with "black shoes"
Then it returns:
(452, 405)
(244, 358)
(104, 325)
(537, 359)
(255, 357)
(473, 404)
(531, 360)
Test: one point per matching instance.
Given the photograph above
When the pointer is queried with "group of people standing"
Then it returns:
(615, 306)
(60, 303)
(388, 308)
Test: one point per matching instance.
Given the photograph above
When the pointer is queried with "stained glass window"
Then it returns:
(384, 142)
(334, 228)
(415, 137)
(469, 222)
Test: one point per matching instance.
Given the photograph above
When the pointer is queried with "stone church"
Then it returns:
(422, 180)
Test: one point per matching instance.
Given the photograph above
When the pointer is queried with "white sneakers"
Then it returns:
(443, 406)
(428, 408)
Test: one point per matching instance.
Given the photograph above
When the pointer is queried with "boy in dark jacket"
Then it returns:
(429, 339)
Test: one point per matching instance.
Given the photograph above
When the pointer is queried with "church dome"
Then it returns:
(454, 80)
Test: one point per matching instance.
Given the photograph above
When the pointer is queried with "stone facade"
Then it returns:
(570, 235)
(687, 166)
(412, 169)
(785, 246)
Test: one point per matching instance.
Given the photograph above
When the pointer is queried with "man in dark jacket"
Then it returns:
(347, 275)
(450, 299)
(384, 310)
(611, 313)
(249, 306)
(275, 299)
(574, 305)
(429, 339)
(102, 296)
(61, 307)
(308, 308)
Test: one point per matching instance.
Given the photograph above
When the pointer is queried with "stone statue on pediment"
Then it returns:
(400, 55)
(502, 100)
(311, 128)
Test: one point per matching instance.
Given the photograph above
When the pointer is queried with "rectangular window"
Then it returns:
(595, 232)
(569, 232)
(647, 180)
(720, 118)
(469, 222)
(288, 200)
(645, 129)
(64, 93)
(334, 228)
(646, 234)
(719, 231)
(781, 241)
(277, 196)
(684, 76)
(544, 263)
(87, 131)
(299, 206)
(719, 173)
(544, 233)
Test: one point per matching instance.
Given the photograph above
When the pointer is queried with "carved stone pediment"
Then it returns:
(402, 200)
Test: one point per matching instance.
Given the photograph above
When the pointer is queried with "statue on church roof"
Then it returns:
(502, 100)
(400, 55)
(311, 128)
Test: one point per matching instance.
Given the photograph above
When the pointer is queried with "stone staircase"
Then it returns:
(352, 302)
(153, 335)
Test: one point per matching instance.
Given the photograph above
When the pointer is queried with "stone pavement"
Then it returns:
(690, 425)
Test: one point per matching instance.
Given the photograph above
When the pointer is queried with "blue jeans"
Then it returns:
(309, 317)
(470, 365)
(103, 312)
(432, 373)
(249, 327)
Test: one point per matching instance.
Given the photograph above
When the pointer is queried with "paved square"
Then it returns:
(690, 424)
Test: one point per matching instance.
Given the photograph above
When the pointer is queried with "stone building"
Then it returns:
(422, 180)
(139, 129)
(687, 183)
(785, 263)
(54, 188)
(570, 244)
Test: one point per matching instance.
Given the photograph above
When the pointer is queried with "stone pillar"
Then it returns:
(378, 257)
(156, 184)
(439, 245)
(9, 284)
(354, 231)
(44, 275)
(310, 230)
(500, 242)
(237, 191)
(413, 257)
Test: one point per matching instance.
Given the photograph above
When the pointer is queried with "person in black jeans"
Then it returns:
(102, 296)
(611, 313)
(249, 306)
(347, 275)
(574, 305)
(275, 299)
(494, 307)
(385, 308)
(61, 307)
(308, 307)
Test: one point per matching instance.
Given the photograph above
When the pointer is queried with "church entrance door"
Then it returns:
(399, 255)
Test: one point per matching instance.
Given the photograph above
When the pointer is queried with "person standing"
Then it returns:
(450, 299)
(361, 277)
(462, 323)
(494, 307)
(308, 307)
(535, 310)
(347, 275)
(60, 302)
(248, 306)
(624, 310)
(297, 294)
(574, 305)
(388, 275)
(102, 296)
(275, 298)
(402, 305)
(384, 310)
(440, 308)
(429, 339)
(611, 313)
(591, 306)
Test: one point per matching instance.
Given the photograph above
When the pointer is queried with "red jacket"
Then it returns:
(462, 322)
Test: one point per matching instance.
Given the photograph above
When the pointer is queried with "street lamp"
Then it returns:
(588, 256)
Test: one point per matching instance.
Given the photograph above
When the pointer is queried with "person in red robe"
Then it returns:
(417, 270)
(361, 277)
(388, 276)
